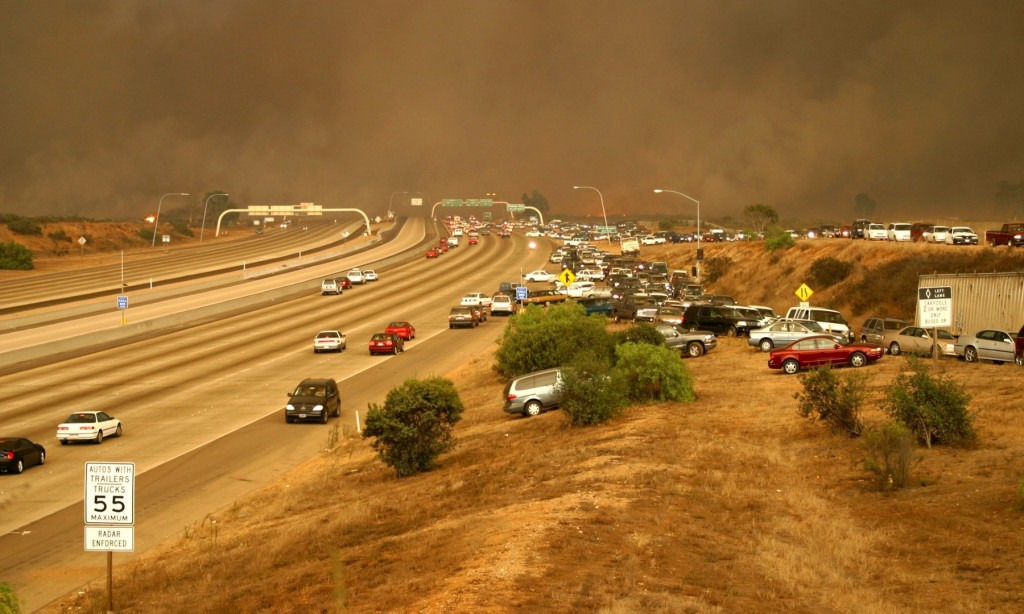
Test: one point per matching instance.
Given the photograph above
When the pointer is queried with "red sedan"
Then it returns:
(405, 330)
(817, 351)
(473, 240)
(386, 343)
(432, 252)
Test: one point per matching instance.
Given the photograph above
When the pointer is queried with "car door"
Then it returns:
(105, 423)
(995, 345)
(333, 398)
(828, 352)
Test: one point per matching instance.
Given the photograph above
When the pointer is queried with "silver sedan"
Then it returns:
(994, 345)
(785, 332)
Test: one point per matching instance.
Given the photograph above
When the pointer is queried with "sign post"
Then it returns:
(110, 513)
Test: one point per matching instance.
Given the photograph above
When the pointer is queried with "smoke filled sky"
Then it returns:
(800, 105)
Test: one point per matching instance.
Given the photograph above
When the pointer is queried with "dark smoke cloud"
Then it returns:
(108, 105)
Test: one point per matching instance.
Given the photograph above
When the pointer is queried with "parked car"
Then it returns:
(543, 297)
(502, 304)
(370, 275)
(876, 232)
(355, 276)
(463, 316)
(329, 341)
(719, 319)
(313, 399)
(994, 345)
(403, 329)
(533, 393)
(539, 275)
(329, 286)
(917, 340)
(961, 235)
(1011, 233)
(875, 328)
(688, 343)
(820, 351)
(577, 289)
(898, 231)
(88, 426)
(830, 319)
(18, 453)
(785, 332)
(938, 234)
(670, 315)
(596, 305)
(386, 343)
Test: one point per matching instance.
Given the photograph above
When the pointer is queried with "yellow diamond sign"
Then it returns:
(804, 292)
(566, 277)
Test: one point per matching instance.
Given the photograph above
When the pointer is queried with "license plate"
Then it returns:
(302, 415)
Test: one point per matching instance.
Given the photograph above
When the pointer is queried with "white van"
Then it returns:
(829, 319)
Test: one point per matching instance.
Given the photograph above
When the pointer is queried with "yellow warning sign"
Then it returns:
(566, 277)
(804, 292)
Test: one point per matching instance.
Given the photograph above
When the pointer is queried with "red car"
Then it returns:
(432, 252)
(405, 330)
(473, 240)
(386, 343)
(817, 351)
(443, 248)
(344, 283)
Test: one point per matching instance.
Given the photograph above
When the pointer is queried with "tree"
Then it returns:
(536, 200)
(15, 256)
(590, 395)
(539, 338)
(760, 216)
(864, 206)
(652, 373)
(414, 426)
(934, 408)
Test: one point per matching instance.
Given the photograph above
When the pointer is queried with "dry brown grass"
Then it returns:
(731, 503)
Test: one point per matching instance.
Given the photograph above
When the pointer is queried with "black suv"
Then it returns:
(313, 399)
(719, 319)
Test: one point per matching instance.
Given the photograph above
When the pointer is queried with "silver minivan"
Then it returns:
(533, 393)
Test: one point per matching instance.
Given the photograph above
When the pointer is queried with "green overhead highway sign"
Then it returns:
(515, 208)
(451, 202)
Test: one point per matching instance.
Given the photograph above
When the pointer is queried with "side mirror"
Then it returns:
(836, 346)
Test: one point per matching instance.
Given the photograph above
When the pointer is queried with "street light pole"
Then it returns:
(156, 220)
(608, 235)
(700, 254)
(392, 200)
(203, 227)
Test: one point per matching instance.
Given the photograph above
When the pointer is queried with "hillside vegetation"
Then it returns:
(729, 503)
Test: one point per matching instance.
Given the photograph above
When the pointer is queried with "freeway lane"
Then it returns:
(202, 406)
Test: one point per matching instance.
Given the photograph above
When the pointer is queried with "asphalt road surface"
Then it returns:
(202, 405)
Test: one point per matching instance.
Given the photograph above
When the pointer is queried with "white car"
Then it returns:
(370, 275)
(88, 426)
(652, 240)
(577, 289)
(474, 299)
(534, 233)
(898, 231)
(356, 276)
(589, 275)
(539, 275)
(329, 341)
(961, 235)
(329, 286)
(502, 304)
(938, 234)
(877, 232)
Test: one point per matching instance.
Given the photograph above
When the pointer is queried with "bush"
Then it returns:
(590, 395)
(415, 425)
(890, 450)
(641, 332)
(715, 268)
(933, 408)
(9, 602)
(146, 233)
(16, 257)
(652, 373)
(58, 236)
(776, 239)
(539, 338)
(24, 226)
(827, 272)
(834, 400)
(181, 227)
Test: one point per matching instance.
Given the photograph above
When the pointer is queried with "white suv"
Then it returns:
(329, 286)
(502, 304)
(355, 276)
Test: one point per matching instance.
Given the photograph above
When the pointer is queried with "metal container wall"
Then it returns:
(982, 300)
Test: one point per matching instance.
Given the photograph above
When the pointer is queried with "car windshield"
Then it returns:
(309, 391)
(829, 316)
(379, 337)
(329, 335)
(397, 325)
(81, 418)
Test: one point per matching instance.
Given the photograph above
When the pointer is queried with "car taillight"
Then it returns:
(9, 455)
(510, 397)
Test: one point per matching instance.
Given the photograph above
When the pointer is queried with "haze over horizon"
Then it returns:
(792, 103)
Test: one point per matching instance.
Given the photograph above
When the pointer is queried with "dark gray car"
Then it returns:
(313, 400)
(687, 343)
(533, 393)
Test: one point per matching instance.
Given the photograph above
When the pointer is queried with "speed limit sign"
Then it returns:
(110, 493)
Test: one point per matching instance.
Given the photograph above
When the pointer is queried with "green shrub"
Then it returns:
(59, 236)
(827, 272)
(415, 424)
(834, 400)
(715, 268)
(933, 408)
(652, 373)
(640, 332)
(181, 227)
(776, 239)
(890, 451)
(146, 233)
(9, 602)
(590, 395)
(15, 257)
(25, 226)
(543, 338)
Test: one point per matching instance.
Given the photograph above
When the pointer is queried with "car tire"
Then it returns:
(894, 349)
(42, 458)
(288, 420)
(19, 466)
(337, 411)
(1019, 360)
(451, 326)
(694, 349)
(970, 354)
(324, 416)
(532, 408)
(858, 359)
(731, 331)
(394, 351)
(766, 345)
(99, 436)
(64, 442)
(119, 431)
(316, 351)
(791, 366)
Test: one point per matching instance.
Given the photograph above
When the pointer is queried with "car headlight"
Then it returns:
(318, 408)
(289, 407)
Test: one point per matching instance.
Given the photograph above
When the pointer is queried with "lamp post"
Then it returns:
(203, 227)
(156, 220)
(392, 200)
(608, 235)
(700, 254)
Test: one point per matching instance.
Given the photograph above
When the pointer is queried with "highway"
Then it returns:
(202, 404)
